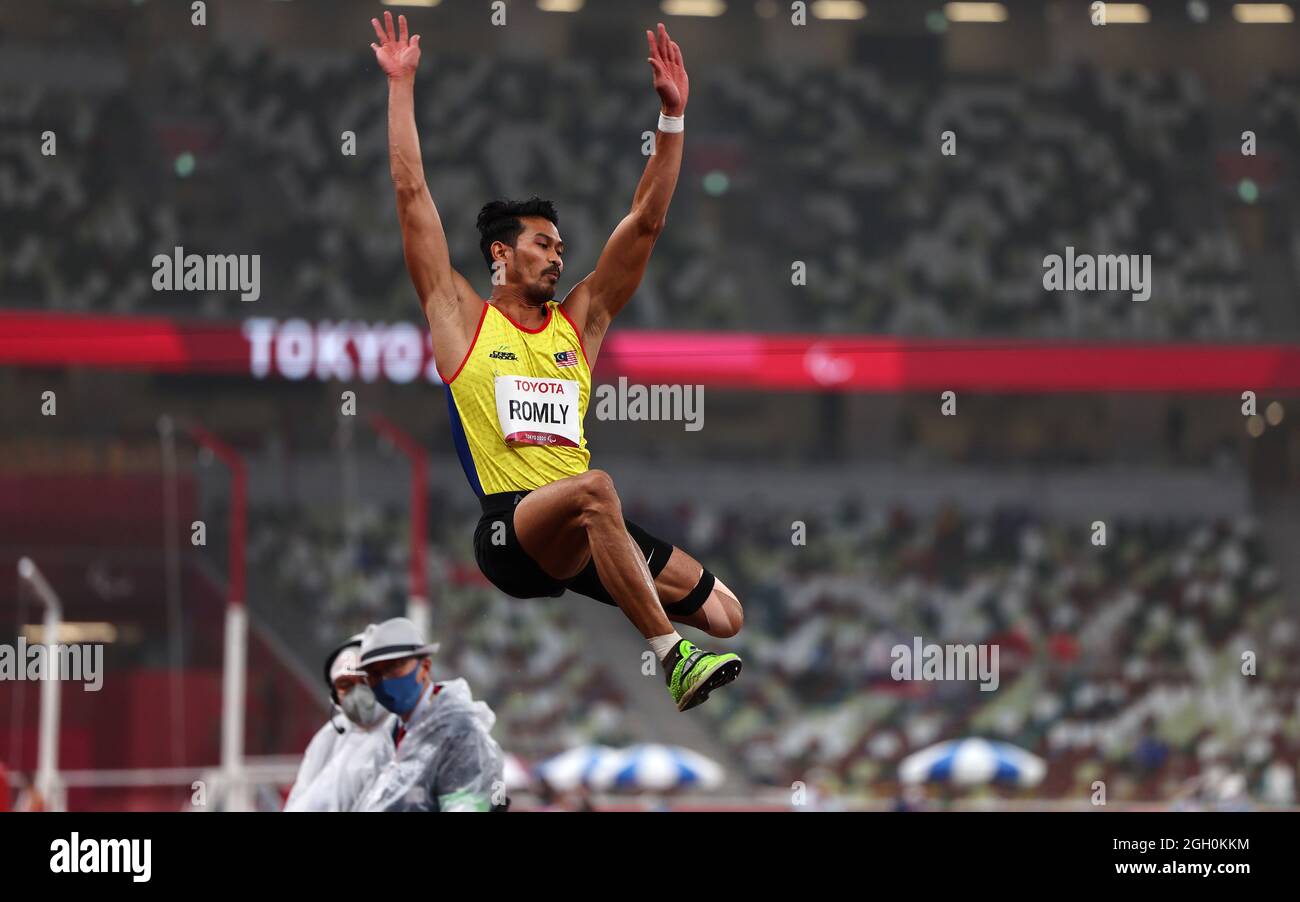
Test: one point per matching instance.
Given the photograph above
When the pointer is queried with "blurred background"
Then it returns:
(815, 144)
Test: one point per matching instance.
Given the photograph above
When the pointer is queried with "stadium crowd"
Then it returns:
(840, 169)
(1124, 662)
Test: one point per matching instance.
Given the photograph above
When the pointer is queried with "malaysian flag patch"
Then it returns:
(566, 358)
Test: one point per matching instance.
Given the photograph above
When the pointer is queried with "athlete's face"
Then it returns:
(537, 259)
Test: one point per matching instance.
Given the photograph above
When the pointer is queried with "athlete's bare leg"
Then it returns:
(569, 522)
(564, 524)
(720, 616)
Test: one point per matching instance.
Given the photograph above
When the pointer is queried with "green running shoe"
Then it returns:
(692, 673)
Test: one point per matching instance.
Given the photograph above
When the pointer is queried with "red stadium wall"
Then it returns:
(85, 531)
(126, 724)
(92, 510)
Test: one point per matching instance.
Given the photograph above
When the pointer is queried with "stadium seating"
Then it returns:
(814, 161)
(1120, 663)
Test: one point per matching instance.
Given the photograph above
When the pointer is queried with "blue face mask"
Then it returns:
(399, 694)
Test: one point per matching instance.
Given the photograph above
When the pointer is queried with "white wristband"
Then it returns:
(671, 123)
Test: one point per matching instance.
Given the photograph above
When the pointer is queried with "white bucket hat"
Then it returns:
(343, 661)
(392, 639)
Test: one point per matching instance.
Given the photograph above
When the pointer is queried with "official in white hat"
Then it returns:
(446, 758)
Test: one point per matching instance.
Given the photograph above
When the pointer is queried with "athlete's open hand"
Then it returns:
(670, 72)
(397, 55)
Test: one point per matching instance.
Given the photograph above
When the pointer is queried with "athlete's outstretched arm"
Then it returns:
(623, 261)
(424, 243)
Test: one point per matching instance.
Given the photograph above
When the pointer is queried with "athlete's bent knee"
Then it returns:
(737, 615)
(597, 494)
(726, 623)
(731, 616)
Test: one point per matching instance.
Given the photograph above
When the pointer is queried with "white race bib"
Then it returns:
(538, 411)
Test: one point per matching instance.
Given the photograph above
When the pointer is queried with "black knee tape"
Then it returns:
(695, 598)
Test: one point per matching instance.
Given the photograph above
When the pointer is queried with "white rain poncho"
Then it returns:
(337, 768)
(447, 761)
(318, 754)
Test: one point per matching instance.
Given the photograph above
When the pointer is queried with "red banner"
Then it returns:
(296, 349)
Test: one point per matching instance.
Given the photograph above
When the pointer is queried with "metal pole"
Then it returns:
(172, 559)
(417, 605)
(236, 644)
(47, 751)
(235, 653)
(232, 709)
(347, 465)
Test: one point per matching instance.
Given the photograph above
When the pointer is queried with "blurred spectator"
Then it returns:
(1121, 660)
(896, 238)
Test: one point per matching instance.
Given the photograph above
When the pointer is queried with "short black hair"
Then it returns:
(499, 221)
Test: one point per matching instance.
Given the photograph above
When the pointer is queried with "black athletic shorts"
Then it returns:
(508, 567)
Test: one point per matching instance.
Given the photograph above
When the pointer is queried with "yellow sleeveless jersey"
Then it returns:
(518, 401)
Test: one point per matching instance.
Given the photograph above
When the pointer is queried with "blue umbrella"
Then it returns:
(969, 762)
(569, 770)
(655, 768)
